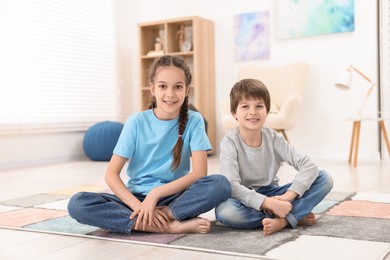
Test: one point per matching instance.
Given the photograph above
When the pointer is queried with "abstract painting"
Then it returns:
(252, 36)
(300, 18)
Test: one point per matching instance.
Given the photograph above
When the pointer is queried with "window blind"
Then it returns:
(58, 65)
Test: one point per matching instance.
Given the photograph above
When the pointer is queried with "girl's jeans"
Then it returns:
(236, 215)
(108, 212)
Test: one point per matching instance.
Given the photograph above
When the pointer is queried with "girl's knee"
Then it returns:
(220, 185)
(76, 203)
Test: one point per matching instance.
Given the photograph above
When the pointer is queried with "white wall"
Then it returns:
(40, 149)
(322, 130)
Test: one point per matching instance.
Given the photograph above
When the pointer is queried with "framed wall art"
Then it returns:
(300, 18)
(252, 36)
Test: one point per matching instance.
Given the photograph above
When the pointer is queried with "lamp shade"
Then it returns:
(344, 82)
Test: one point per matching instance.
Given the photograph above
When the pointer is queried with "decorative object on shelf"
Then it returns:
(180, 34)
(308, 18)
(184, 34)
(158, 45)
(185, 46)
(158, 48)
(252, 36)
(344, 83)
(100, 140)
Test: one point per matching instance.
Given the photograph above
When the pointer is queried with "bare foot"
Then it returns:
(278, 207)
(167, 211)
(195, 225)
(272, 225)
(308, 220)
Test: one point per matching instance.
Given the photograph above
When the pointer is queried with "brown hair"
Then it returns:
(249, 89)
(177, 62)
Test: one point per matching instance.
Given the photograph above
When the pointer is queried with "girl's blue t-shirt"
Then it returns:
(148, 142)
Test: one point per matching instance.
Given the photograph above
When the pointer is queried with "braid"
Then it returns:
(152, 103)
(183, 118)
(177, 62)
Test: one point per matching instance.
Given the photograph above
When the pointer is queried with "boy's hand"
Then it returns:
(288, 196)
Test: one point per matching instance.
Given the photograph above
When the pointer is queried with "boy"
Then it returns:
(251, 156)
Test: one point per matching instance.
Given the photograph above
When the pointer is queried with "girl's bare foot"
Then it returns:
(272, 225)
(167, 211)
(195, 225)
(308, 220)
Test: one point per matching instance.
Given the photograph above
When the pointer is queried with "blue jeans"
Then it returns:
(107, 211)
(236, 215)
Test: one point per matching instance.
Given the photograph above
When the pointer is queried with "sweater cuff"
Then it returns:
(298, 187)
(256, 201)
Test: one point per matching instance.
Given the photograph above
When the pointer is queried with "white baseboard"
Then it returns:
(40, 162)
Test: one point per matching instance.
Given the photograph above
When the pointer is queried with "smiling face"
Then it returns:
(251, 114)
(250, 103)
(169, 88)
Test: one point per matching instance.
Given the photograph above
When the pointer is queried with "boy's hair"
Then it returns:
(249, 89)
(177, 62)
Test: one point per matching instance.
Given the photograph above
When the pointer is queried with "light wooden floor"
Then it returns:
(367, 177)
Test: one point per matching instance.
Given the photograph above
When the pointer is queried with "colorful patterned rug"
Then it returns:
(350, 226)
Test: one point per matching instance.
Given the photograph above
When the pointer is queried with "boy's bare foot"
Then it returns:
(195, 225)
(308, 220)
(278, 207)
(272, 225)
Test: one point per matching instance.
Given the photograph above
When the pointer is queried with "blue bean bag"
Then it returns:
(100, 140)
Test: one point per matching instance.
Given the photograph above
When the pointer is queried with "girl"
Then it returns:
(162, 194)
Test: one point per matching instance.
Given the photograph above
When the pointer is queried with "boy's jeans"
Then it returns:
(236, 215)
(109, 212)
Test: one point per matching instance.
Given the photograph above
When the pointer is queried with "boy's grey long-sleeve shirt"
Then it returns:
(249, 168)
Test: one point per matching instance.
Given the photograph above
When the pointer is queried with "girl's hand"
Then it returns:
(160, 219)
(145, 211)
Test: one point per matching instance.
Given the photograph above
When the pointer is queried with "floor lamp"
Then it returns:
(345, 81)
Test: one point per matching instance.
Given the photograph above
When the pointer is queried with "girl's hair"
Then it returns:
(177, 62)
(249, 89)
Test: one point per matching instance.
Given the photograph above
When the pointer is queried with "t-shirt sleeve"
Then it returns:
(127, 139)
(199, 140)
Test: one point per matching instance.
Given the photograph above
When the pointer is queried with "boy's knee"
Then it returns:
(326, 179)
(232, 213)
(224, 212)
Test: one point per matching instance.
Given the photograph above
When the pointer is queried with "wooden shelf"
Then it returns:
(200, 57)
